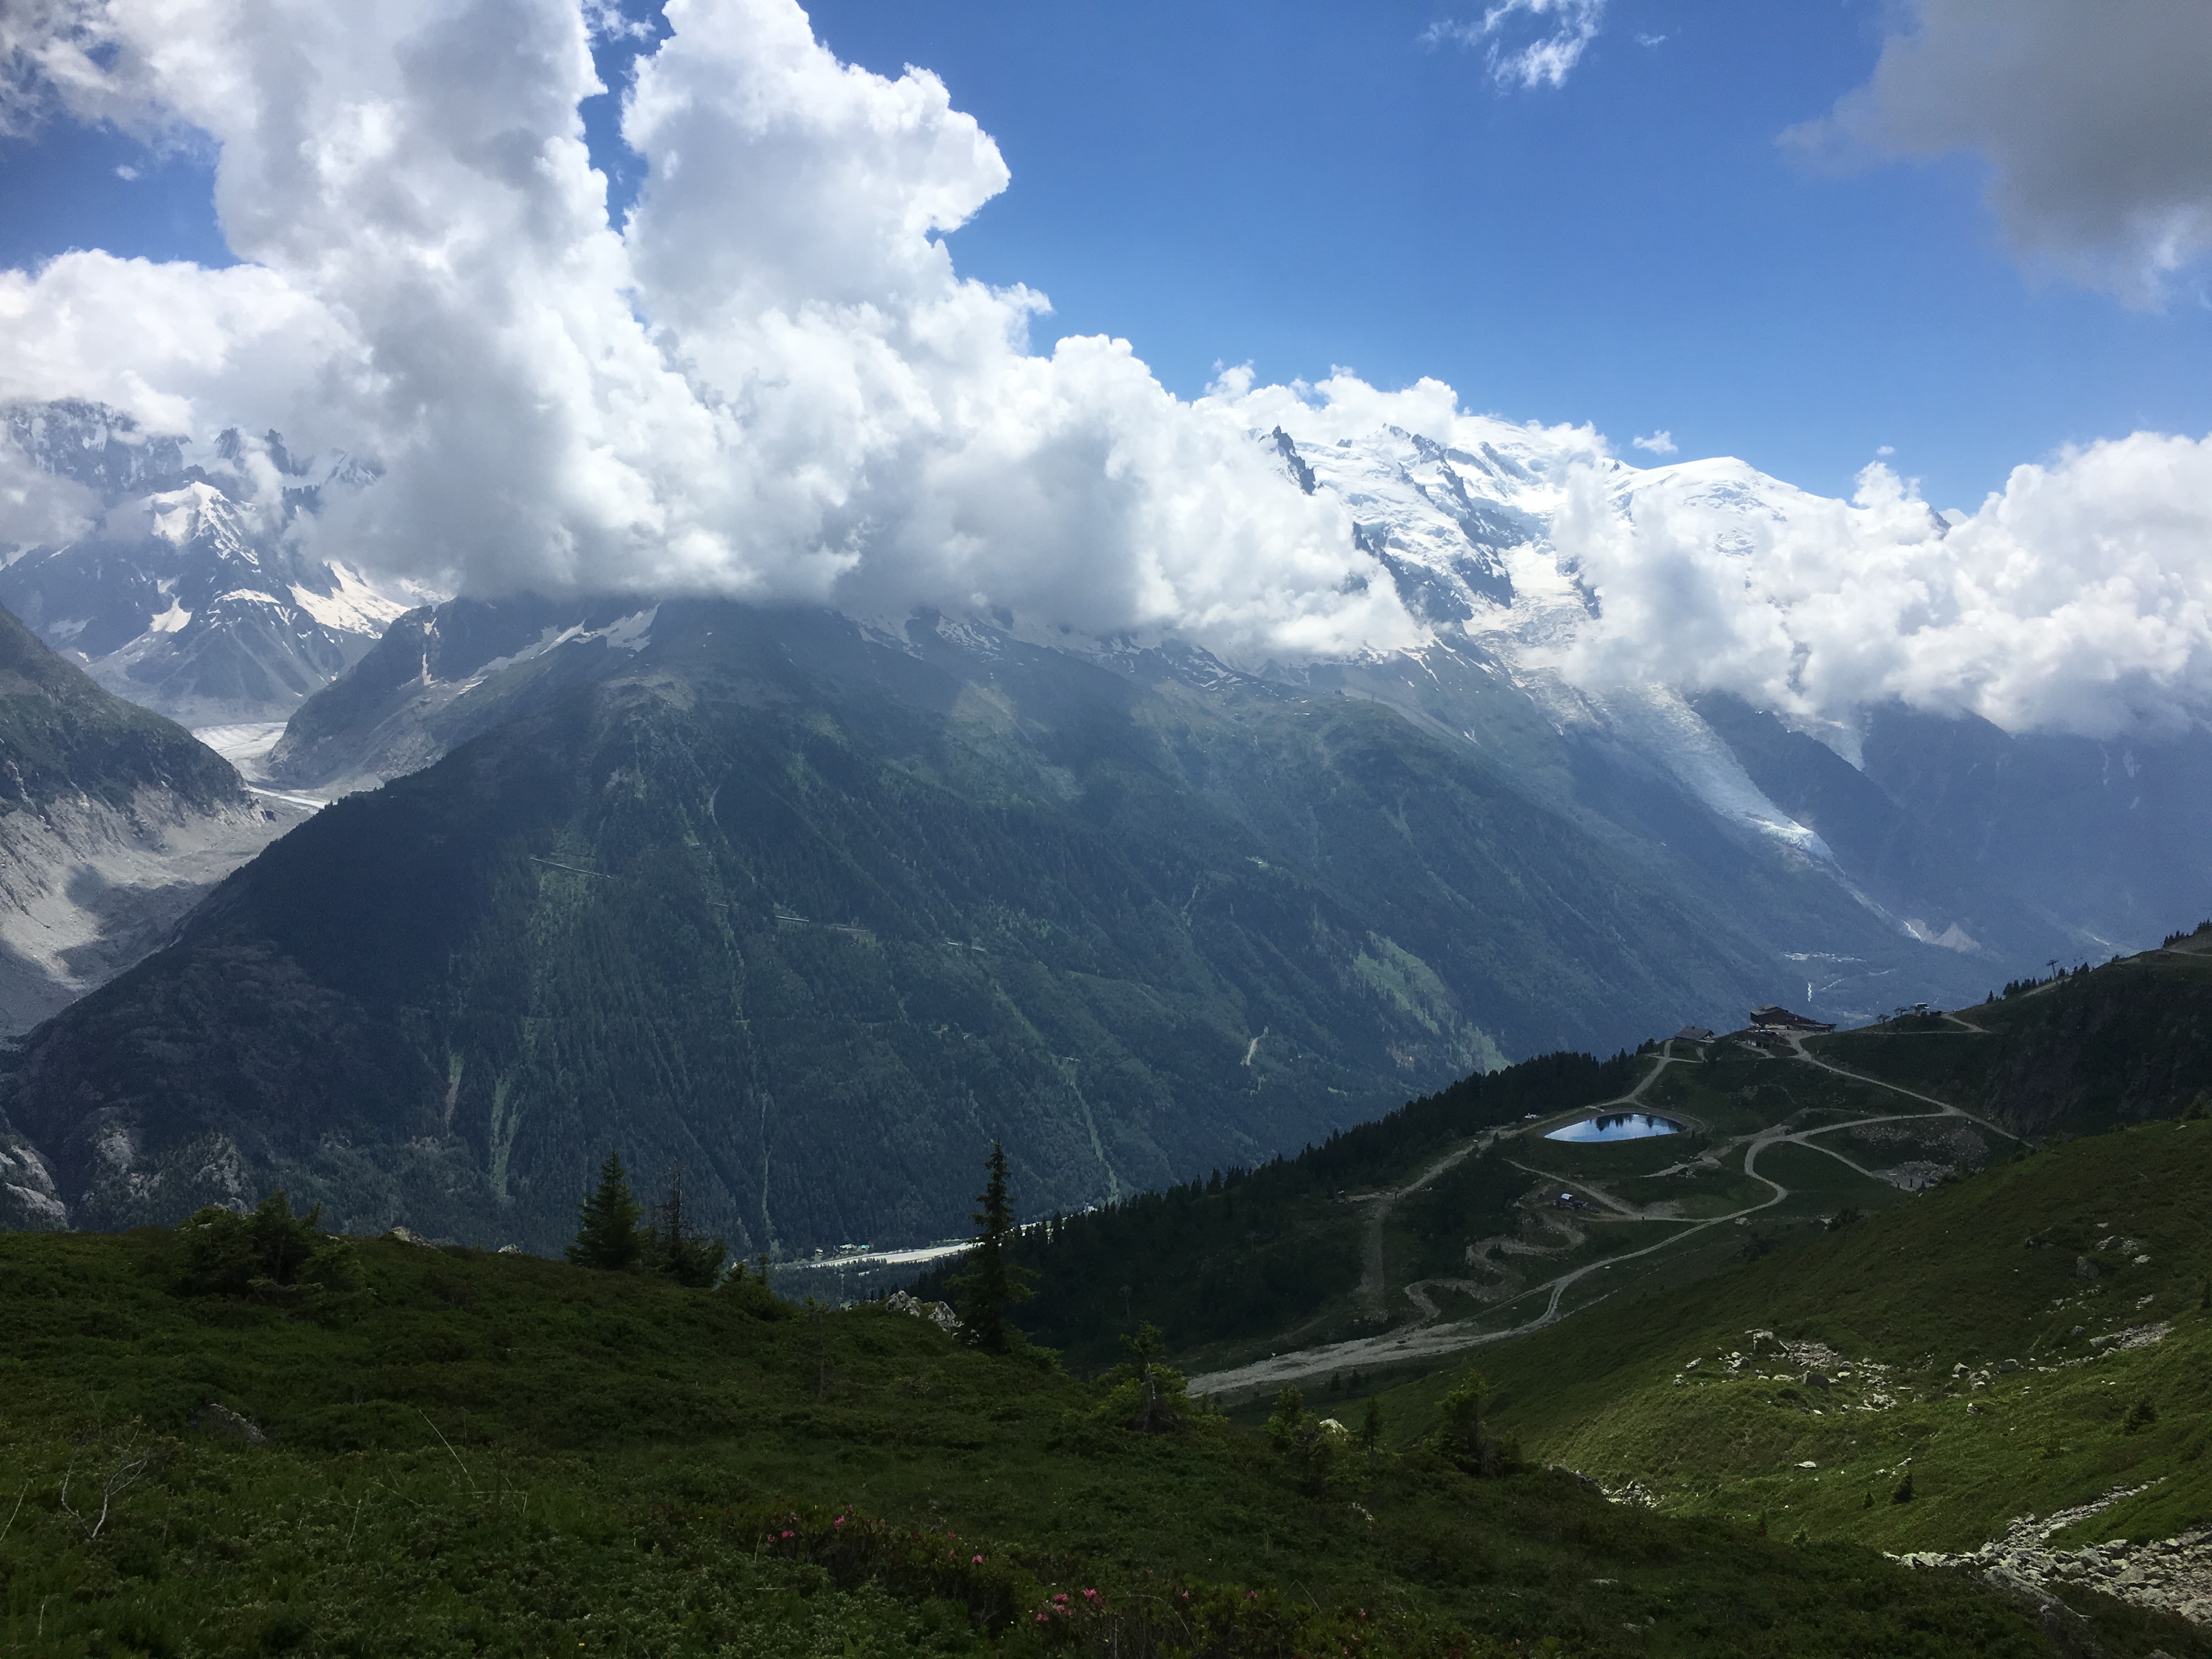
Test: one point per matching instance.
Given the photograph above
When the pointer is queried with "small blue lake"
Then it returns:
(1618, 1125)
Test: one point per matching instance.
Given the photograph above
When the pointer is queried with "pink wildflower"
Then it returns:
(977, 1562)
(1090, 1596)
(839, 1521)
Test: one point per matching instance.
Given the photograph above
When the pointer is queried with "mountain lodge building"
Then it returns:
(1772, 1018)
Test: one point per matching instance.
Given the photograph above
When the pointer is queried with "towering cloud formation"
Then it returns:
(771, 382)
(771, 385)
(2078, 600)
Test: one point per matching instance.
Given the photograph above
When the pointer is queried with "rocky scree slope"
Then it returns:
(113, 822)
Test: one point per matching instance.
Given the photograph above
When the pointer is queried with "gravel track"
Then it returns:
(1425, 1338)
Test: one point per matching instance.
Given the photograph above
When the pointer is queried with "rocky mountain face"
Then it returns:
(181, 590)
(443, 674)
(113, 823)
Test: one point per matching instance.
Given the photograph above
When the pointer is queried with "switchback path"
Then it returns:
(1373, 1286)
(1425, 1338)
(1943, 1107)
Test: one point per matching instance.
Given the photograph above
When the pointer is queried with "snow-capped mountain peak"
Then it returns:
(188, 594)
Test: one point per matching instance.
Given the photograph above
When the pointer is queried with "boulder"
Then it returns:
(225, 1423)
(938, 1313)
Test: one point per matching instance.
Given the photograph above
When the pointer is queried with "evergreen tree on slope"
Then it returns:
(606, 1223)
(674, 1251)
(992, 1284)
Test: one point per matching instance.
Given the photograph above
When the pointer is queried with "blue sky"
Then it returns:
(1305, 184)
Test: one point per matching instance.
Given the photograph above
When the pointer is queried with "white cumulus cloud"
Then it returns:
(771, 384)
(37, 508)
(2078, 598)
(180, 347)
(2094, 119)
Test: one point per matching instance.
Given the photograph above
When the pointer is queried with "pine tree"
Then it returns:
(1150, 1397)
(1371, 1425)
(674, 1252)
(606, 1223)
(991, 1284)
(1465, 1438)
(1309, 1451)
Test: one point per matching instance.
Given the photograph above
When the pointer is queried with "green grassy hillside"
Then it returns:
(1460, 1221)
(484, 1454)
(1460, 1211)
(1274, 1256)
(2085, 1267)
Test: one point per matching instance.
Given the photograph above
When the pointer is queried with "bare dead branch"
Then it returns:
(131, 1464)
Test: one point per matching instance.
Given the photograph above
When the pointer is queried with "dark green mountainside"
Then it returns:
(1444, 1217)
(813, 915)
(2078, 1055)
(60, 734)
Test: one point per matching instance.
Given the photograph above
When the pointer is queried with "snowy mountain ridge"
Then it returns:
(181, 590)
(1466, 533)
(1515, 548)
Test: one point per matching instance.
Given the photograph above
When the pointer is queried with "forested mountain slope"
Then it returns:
(1455, 1221)
(813, 910)
(817, 916)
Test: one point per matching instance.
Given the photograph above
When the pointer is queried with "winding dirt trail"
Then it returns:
(1373, 1286)
(1426, 1337)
